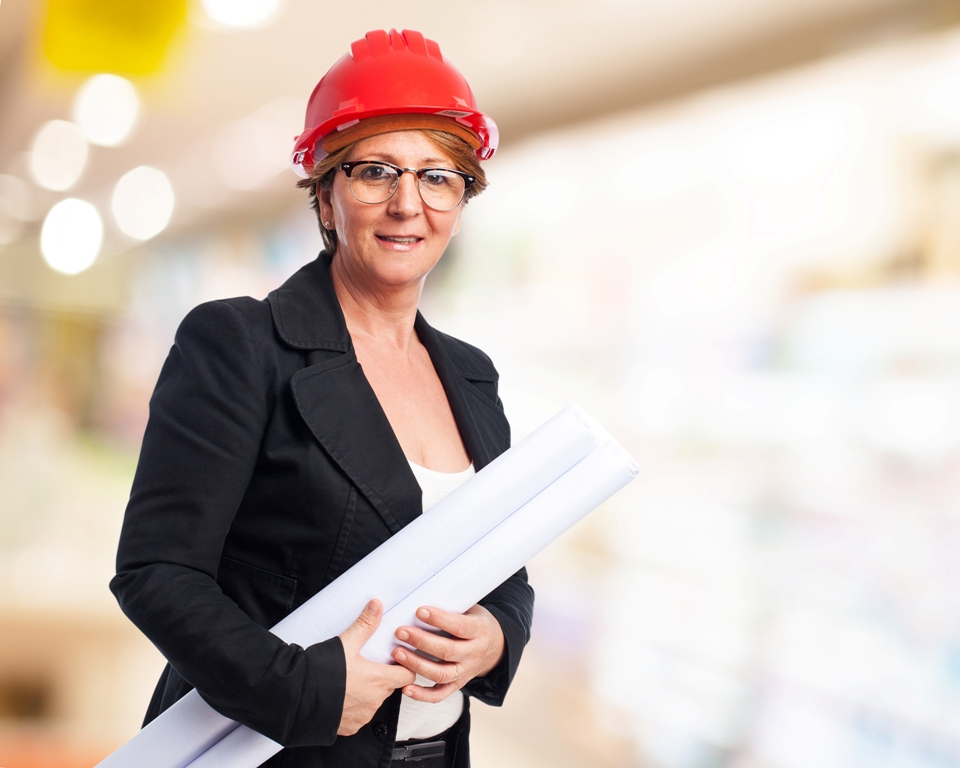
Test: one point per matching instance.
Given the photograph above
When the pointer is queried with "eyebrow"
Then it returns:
(430, 162)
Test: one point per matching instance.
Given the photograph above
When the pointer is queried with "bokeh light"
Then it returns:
(143, 202)
(106, 108)
(71, 236)
(241, 14)
(59, 155)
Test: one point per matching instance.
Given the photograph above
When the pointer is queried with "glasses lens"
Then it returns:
(441, 189)
(373, 183)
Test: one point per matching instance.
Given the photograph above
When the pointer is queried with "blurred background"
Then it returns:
(729, 229)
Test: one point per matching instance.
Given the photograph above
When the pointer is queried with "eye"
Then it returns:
(438, 177)
(375, 173)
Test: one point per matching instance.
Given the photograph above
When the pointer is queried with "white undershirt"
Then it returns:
(422, 719)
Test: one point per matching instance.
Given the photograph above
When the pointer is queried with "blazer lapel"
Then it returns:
(335, 399)
(342, 411)
(482, 425)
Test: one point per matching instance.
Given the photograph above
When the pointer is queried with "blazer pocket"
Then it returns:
(266, 597)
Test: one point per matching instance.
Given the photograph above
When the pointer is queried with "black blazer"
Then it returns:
(267, 469)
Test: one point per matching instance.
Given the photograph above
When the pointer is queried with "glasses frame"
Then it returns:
(348, 167)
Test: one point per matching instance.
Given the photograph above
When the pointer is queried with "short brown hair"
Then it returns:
(463, 155)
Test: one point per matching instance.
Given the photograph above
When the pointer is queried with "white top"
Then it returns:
(422, 719)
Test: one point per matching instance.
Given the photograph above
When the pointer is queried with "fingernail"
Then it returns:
(401, 656)
(402, 635)
(406, 692)
(372, 605)
(423, 613)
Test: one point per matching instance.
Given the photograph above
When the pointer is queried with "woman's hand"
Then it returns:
(368, 683)
(473, 650)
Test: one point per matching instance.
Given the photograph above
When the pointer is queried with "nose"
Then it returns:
(406, 201)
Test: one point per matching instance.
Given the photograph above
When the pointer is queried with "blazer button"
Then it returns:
(381, 730)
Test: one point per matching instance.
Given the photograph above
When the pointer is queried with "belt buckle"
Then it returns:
(414, 753)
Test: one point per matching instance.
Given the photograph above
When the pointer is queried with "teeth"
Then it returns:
(405, 240)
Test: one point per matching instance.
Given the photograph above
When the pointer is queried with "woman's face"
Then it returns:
(396, 243)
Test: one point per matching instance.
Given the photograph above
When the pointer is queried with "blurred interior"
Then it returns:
(729, 229)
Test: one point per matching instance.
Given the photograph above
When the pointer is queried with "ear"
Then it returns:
(325, 202)
(456, 224)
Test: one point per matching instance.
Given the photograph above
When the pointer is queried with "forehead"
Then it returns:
(408, 149)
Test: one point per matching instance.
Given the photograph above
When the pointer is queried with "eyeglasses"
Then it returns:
(373, 181)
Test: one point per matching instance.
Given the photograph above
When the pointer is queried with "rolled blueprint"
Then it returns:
(469, 577)
(390, 573)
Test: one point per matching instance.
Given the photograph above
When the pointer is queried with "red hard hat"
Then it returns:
(390, 81)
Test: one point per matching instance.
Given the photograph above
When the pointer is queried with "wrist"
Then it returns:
(494, 652)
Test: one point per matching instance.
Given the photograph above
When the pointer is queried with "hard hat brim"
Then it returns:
(373, 126)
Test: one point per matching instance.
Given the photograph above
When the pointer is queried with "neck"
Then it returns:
(384, 315)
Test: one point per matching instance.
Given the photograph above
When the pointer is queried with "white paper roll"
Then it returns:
(469, 577)
(454, 524)
(389, 573)
(510, 545)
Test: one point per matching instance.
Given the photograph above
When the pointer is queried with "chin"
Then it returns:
(404, 270)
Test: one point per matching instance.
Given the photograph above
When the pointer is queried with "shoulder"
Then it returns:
(242, 315)
(472, 362)
(228, 333)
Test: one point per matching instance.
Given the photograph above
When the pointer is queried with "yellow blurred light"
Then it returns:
(71, 236)
(143, 202)
(119, 36)
(106, 108)
(241, 14)
(59, 155)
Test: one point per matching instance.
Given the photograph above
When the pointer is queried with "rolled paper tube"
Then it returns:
(390, 573)
(469, 577)
(510, 545)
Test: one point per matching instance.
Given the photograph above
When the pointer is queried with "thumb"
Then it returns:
(366, 624)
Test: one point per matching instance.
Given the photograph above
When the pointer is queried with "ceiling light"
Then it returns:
(241, 14)
(106, 108)
(59, 155)
(71, 236)
(143, 202)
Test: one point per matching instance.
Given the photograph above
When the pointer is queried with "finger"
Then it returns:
(458, 625)
(440, 647)
(398, 676)
(366, 624)
(440, 673)
(432, 695)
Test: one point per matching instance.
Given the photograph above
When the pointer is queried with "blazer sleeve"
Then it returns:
(207, 419)
(512, 605)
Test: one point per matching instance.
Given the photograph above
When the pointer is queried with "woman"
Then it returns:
(290, 437)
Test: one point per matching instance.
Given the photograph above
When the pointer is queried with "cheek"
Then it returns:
(346, 218)
(450, 225)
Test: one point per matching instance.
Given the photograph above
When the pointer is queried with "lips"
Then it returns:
(401, 239)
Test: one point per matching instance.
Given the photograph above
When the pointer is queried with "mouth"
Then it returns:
(400, 240)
